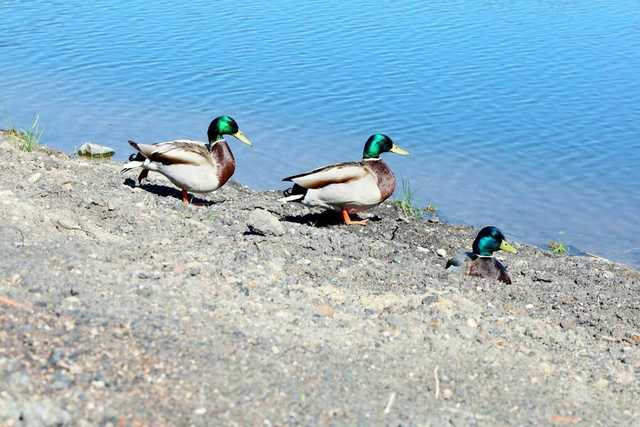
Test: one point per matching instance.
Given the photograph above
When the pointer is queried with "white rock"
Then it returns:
(91, 149)
(441, 253)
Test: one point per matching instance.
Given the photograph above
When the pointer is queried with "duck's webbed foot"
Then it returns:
(185, 197)
(189, 199)
(347, 219)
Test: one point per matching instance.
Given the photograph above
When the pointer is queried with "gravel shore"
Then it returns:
(122, 307)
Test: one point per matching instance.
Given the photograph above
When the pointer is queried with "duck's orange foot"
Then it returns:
(190, 200)
(347, 219)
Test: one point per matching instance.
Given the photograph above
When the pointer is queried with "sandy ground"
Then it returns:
(122, 307)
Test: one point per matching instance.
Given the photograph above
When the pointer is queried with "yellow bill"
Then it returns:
(506, 246)
(240, 136)
(396, 149)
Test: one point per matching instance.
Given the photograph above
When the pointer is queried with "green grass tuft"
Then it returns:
(557, 248)
(27, 139)
(407, 203)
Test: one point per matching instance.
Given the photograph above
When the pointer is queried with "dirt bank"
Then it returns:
(123, 307)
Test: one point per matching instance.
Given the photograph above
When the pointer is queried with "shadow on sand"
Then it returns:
(322, 219)
(164, 191)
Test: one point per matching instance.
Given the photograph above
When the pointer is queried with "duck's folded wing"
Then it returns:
(174, 152)
(503, 276)
(332, 174)
(457, 261)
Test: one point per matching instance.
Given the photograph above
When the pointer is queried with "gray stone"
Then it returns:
(19, 379)
(34, 413)
(397, 322)
(568, 324)
(55, 357)
(61, 381)
(264, 223)
(542, 276)
(9, 411)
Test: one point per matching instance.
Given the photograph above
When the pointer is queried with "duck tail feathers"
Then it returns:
(134, 144)
(139, 157)
(294, 194)
(132, 164)
(294, 198)
(136, 160)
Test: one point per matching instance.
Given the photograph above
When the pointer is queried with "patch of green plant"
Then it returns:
(557, 247)
(27, 139)
(407, 202)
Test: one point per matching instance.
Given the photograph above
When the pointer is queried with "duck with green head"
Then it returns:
(349, 187)
(191, 165)
(480, 261)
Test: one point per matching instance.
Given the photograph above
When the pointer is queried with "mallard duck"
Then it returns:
(480, 261)
(191, 165)
(349, 187)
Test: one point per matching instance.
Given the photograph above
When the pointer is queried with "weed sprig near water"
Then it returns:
(557, 248)
(407, 203)
(27, 139)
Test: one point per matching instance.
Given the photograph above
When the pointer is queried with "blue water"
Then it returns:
(525, 115)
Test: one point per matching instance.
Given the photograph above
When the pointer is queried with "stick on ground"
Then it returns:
(12, 303)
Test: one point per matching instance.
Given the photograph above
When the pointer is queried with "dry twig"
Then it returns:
(12, 303)
(392, 398)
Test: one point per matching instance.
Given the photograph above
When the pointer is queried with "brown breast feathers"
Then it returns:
(488, 267)
(386, 179)
(223, 158)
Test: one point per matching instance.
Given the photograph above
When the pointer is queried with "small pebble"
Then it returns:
(441, 253)
(35, 177)
(325, 310)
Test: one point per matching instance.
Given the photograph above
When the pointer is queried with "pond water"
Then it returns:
(525, 115)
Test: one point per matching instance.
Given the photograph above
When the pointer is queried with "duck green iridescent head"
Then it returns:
(490, 240)
(378, 144)
(225, 125)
